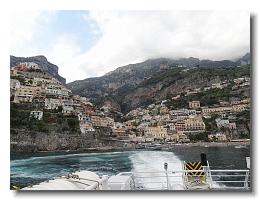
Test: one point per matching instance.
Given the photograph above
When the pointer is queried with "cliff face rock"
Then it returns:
(143, 83)
(43, 63)
(28, 141)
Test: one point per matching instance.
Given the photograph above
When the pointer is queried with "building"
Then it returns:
(240, 107)
(26, 93)
(172, 138)
(14, 84)
(224, 103)
(83, 117)
(164, 110)
(52, 104)
(219, 137)
(146, 118)
(67, 110)
(222, 123)
(32, 75)
(194, 124)
(36, 114)
(102, 121)
(171, 127)
(245, 101)
(232, 125)
(138, 139)
(179, 116)
(13, 71)
(157, 132)
(30, 65)
(176, 97)
(109, 122)
(235, 101)
(216, 85)
(238, 80)
(182, 138)
(85, 127)
(119, 131)
(89, 108)
(206, 88)
(194, 104)
(211, 110)
(180, 126)
(130, 124)
(118, 125)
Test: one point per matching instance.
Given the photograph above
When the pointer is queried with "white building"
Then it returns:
(51, 104)
(85, 127)
(147, 118)
(118, 125)
(67, 109)
(83, 117)
(30, 65)
(36, 114)
(222, 122)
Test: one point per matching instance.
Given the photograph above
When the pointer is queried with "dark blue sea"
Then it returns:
(28, 169)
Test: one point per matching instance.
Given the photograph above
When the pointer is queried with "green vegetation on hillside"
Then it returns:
(199, 137)
(52, 121)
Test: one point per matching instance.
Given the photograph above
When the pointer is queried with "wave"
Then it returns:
(67, 156)
(148, 167)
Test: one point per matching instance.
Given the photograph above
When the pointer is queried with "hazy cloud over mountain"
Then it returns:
(112, 39)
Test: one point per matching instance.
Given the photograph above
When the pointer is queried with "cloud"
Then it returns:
(26, 27)
(133, 36)
(64, 52)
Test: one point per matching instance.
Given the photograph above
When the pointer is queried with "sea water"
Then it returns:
(29, 169)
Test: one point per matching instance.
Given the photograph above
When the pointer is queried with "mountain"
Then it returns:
(153, 80)
(245, 60)
(43, 63)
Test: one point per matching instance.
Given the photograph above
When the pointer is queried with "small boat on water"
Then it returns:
(192, 176)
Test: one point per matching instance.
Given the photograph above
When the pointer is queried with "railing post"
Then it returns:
(209, 174)
(166, 173)
(247, 173)
(246, 180)
(133, 177)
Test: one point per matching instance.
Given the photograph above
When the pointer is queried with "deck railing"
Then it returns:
(177, 180)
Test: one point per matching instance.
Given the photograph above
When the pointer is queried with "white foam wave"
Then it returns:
(149, 165)
(64, 156)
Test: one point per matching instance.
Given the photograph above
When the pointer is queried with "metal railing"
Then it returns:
(182, 180)
(213, 179)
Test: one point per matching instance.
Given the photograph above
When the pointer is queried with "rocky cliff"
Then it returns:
(43, 63)
(33, 141)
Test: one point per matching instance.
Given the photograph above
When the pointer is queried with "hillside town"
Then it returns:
(155, 123)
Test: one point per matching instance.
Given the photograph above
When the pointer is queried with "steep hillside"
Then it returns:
(139, 84)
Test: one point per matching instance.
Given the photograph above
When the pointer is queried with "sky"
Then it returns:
(91, 43)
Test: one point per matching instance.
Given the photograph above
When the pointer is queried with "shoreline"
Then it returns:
(164, 147)
(214, 144)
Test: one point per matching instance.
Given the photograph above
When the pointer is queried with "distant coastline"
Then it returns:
(165, 147)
